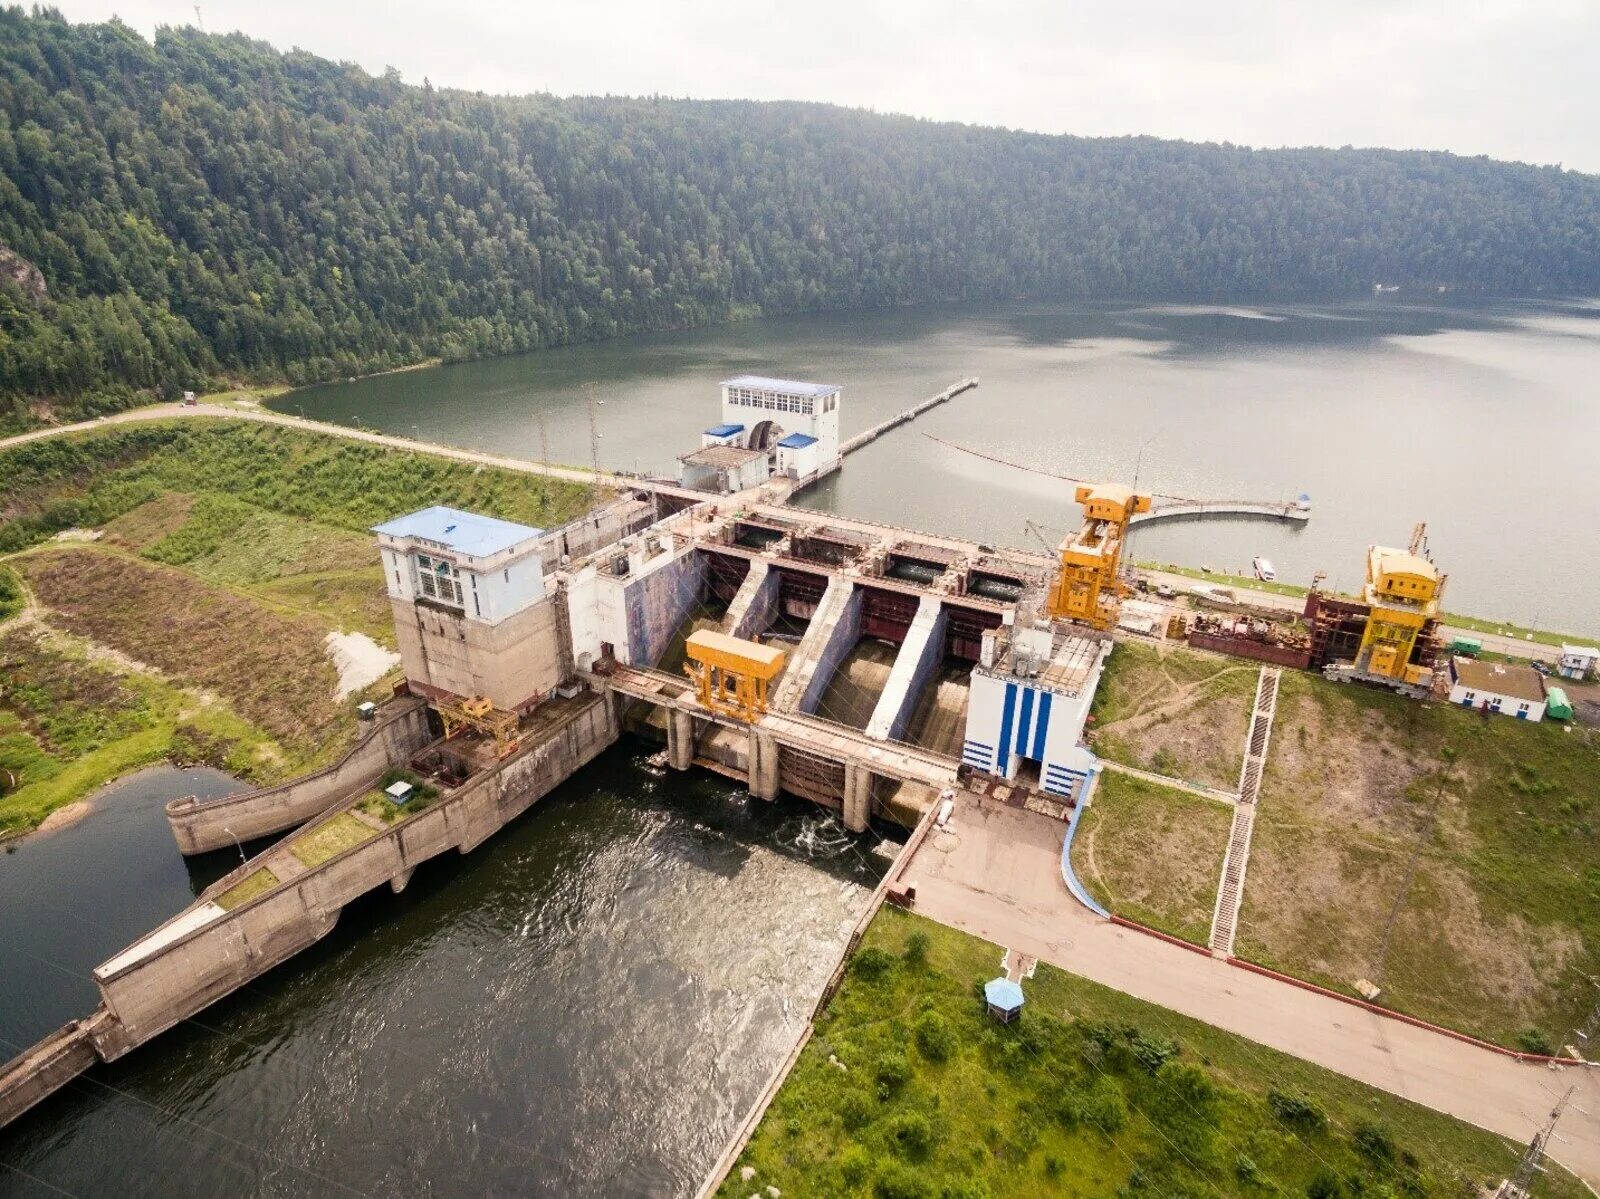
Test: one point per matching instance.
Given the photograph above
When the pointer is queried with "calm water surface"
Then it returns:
(1480, 418)
(584, 1006)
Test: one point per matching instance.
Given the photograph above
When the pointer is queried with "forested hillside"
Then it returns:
(207, 207)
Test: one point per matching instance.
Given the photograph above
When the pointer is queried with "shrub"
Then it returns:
(1324, 1184)
(1103, 1108)
(1053, 1165)
(10, 593)
(872, 964)
(965, 1188)
(1154, 1052)
(893, 1071)
(899, 1182)
(856, 1111)
(911, 1135)
(934, 1037)
(917, 948)
(1533, 1040)
(1374, 1143)
(1246, 1170)
(854, 1165)
(1297, 1111)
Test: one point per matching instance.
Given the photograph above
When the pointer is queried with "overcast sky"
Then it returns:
(1516, 79)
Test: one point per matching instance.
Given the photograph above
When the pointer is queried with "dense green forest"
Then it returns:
(206, 207)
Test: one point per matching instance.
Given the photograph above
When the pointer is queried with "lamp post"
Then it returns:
(242, 859)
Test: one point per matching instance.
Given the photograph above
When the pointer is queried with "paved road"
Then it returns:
(1001, 881)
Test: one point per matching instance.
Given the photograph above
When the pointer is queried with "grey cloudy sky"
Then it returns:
(1516, 79)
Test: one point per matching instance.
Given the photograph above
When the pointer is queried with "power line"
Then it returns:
(1532, 1162)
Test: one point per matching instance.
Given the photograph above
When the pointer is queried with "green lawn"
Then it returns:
(1499, 928)
(1091, 1093)
(257, 882)
(1153, 854)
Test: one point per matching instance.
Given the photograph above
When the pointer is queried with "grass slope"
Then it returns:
(1153, 854)
(70, 723)
(1501, 923)
(1091, 1093)
(1174, 711)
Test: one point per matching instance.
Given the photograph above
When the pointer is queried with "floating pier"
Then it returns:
(910, 414)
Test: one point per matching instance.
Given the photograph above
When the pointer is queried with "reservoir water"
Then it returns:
(1479, 417)
(584, 1006)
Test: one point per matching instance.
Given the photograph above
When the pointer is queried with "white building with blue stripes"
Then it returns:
(1027, 707)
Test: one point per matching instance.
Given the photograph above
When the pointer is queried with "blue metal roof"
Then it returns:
(464, 532)
(724, 430)
(1003, 994)
(797, 441)
(786, 386)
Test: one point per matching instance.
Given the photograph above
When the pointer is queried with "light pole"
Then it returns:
(1138, 462)
(242, 859)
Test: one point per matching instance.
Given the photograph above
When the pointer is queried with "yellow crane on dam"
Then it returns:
(731, 675)
(1088, 587)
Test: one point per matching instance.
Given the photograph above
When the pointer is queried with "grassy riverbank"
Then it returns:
(193, 628)
(1496, 929)
(1091, 1093)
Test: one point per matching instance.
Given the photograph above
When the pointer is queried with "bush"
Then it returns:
(899, 1182)
(966, 1188)
(911, 1135)
(934, 1037)
(10, 593)
(1103, 1108)
(917, 948)
(892, 1072)
(1374, 1143)
(1154, 1052)
(1324, 1184)
(856, 1111)
(1246, 1170)
(1297, 1111)
(1533, 1040)
(872, 964)
(853, 1166)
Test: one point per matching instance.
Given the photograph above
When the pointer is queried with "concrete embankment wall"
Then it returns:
(755, 607)
(39, 1072)
(840, 638)
(659, 603)
(200, 825)
(178, 979)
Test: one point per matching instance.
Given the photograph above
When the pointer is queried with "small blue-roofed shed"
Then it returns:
(724, 434)
(797, 441)
(1004, 999)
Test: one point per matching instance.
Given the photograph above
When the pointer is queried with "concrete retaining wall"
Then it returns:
(1260, 651)
(199, 825)
(178, 979)
(659, 603)
(920, 655)
(756, 606)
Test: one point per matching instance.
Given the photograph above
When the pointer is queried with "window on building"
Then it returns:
(438, 579)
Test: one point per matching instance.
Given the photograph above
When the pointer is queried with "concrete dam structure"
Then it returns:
(897, 665)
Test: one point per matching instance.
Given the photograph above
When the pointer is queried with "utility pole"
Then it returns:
(544, 460)
(1586, 1032)
(1516, 1187)
(1423, 838)
(594, 431)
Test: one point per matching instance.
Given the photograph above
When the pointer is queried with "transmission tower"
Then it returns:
(1516, 1187)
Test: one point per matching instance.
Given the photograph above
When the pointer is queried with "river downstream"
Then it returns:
(584, 1006)
(1477, 417)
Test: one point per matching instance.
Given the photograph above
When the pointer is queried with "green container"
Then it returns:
(1466, 645)
(1556, 704)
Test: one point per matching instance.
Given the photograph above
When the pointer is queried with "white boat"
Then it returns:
(1264, 570)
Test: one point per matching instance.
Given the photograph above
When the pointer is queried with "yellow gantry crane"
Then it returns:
(731, 675)
(1403, 591)
(478, 713)
(1088, 587)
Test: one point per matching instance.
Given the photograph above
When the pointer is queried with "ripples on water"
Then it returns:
(584, 1006)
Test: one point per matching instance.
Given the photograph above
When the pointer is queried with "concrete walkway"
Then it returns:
(998, 876)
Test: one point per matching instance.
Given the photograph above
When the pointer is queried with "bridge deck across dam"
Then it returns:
(888, 759)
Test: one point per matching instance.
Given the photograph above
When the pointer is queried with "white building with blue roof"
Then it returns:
(472, 614)
(773, 410)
